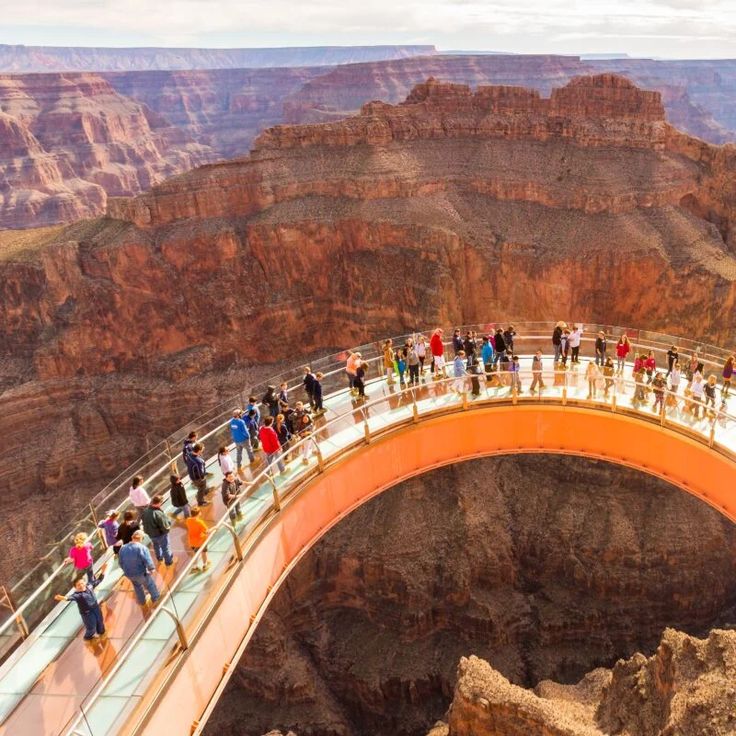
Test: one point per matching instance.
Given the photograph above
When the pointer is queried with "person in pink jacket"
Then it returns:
(81, 556)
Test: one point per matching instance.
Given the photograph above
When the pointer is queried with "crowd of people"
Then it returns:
(270, 427)
(470, 358)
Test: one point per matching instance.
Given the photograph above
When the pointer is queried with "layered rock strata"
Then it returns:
(68, 143)
(455, 207)
(185, 117)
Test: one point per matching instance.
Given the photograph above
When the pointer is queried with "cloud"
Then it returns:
(535, 26)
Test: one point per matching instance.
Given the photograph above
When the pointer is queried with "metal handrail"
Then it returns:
(361, 411)
(646, 343)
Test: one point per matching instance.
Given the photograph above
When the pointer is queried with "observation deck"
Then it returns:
(163, 669)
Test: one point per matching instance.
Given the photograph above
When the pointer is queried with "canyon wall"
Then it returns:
(120, 132)
(455, 207)
(20, 58)
(545, 566)
(68, 143)
(697, 94)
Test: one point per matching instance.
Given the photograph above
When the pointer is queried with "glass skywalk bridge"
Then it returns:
(51, 682)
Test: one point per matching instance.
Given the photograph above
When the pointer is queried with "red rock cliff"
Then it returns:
(67, 143)
(473, 207)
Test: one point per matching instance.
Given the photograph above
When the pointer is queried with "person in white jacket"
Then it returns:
(138, 494)
(573, 341)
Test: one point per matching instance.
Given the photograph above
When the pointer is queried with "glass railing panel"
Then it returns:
(385, 407)
(123, 691)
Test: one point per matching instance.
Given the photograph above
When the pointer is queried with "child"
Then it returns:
(317, 394)
(659, 383)
(197, 532)
(401, 366)
(179, 500)
(81, 555)
(608, 371)
(514, 368)
(110, 526)
(88, 605)
(226, 462)
(283, 394)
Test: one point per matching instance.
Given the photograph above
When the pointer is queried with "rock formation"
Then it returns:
(455, 207)
(686, 687)
(65, 144)
(222, 109)
(545, 567)
(199, 115)
(696, 94)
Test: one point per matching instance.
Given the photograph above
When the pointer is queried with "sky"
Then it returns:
(661, 28)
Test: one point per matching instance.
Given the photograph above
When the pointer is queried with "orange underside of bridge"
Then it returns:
(197, 678)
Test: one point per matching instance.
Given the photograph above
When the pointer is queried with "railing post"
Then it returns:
(564, 388)
(98, 530)
(414, 408)
(7, 600)
(179, 628)
(514, 394)
(662, 416)
(320, 459)
(274, 488)
(366, 428)
(172, 459)
(712, 437)
(613, 400)
(465, 398)
(236, 542)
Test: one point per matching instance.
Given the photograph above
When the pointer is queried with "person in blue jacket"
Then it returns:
(241, 437)
(88, 605)
(137, 565)
(486, 355)
(251, 422)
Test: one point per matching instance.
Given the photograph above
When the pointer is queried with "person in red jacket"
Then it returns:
(650, 365)
(438, 352)
(270, 444)
(623, 348)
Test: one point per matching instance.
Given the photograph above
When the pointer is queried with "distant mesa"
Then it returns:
(62, 58)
